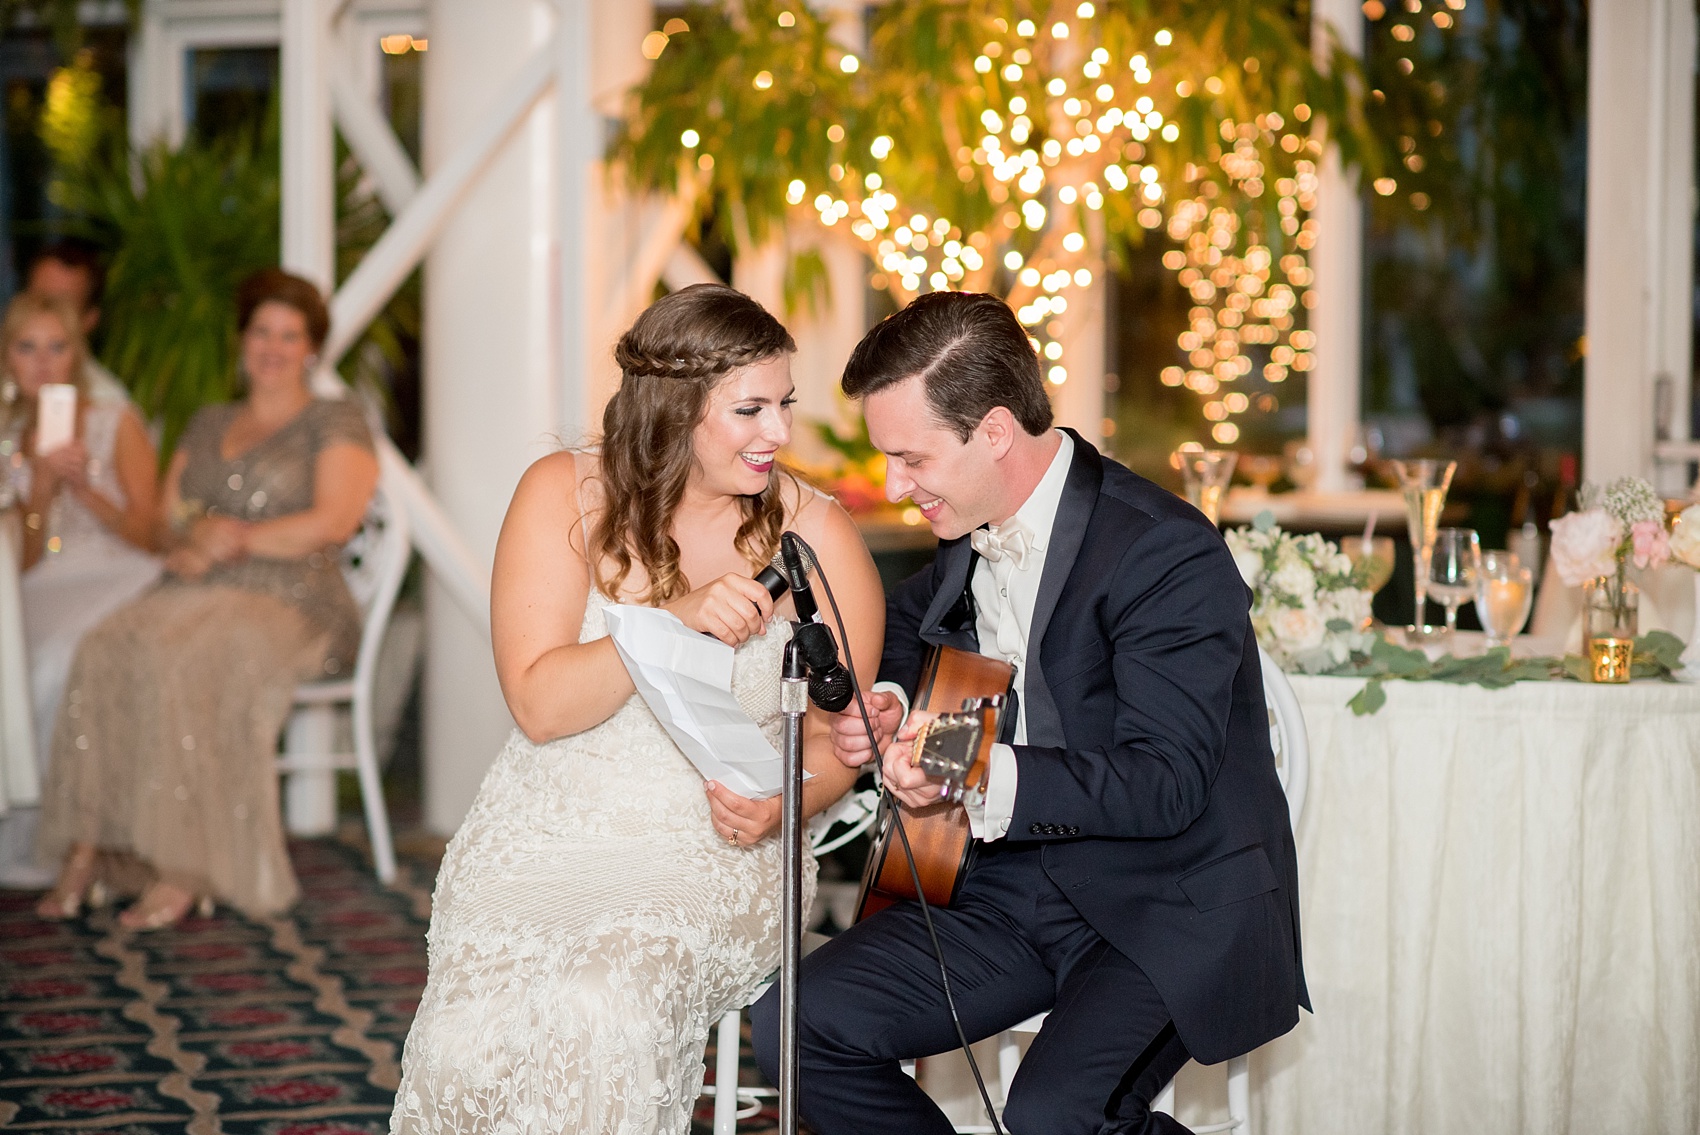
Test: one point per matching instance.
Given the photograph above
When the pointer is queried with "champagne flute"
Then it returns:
(1424, 482)
(1505, 591)
(1205, 473)
(1455, 562)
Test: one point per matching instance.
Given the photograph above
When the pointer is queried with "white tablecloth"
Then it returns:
(19, 780)
(1501, 914)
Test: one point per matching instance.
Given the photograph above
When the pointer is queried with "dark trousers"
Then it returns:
(1015, 946)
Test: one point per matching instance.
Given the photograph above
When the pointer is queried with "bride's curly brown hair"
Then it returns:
(675, 353)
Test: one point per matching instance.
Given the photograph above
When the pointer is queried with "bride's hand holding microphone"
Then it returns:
(731, 608)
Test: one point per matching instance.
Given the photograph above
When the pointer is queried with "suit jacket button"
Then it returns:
(1034, 829)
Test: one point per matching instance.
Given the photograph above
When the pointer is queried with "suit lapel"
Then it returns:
(1068, 530)
(956, 559)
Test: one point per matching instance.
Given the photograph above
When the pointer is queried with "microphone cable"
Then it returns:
(903, 837)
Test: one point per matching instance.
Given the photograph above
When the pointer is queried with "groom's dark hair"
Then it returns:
(970, 352)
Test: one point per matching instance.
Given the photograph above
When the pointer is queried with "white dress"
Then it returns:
(86, 575)
(589, 927)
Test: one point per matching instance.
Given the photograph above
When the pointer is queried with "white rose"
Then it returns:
(1584, 545)
(1294, 578)
(1685, 539)
(1250, 565)
(1299, 628)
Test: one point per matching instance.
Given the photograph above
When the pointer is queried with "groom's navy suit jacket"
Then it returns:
(1147, 784)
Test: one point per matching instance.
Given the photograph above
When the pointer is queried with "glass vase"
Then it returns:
(1610, 615)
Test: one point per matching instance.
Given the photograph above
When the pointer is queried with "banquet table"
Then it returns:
(1500, 914)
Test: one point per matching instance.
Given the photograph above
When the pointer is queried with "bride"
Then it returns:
(602, 906)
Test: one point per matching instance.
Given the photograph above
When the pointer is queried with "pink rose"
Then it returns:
(1584, 545)
(1652, 544)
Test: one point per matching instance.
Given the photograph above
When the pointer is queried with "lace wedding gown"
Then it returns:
(589, 927)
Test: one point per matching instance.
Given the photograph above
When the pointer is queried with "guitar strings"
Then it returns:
(891, 803)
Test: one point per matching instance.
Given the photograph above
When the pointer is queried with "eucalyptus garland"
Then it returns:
(1658, 654)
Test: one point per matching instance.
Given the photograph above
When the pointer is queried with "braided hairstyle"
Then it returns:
(679, 349)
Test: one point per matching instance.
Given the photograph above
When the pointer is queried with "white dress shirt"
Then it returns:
(1004, 597)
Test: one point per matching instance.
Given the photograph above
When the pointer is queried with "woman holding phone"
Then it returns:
(85, 486)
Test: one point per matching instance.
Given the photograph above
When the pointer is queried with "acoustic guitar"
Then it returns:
(956, 748)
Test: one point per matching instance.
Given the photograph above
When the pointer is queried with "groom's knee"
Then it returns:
(764, 1033)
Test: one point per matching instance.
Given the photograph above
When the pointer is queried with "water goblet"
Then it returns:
(1455, 562)
(1424, 482)
(1205, 474)
(1505, 590)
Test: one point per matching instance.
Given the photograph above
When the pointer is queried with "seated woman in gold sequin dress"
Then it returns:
(162, 770)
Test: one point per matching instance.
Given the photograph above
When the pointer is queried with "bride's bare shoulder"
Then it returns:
(566, 476)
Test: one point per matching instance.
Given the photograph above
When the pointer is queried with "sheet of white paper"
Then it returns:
(686, 679)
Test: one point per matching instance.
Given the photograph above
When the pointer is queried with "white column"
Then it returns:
(1332, 393)
(491, 391)
(155, 86)
(308, 192)
(1641, 56)
(309, 154)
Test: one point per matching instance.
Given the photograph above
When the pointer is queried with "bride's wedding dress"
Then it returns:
(589, 927)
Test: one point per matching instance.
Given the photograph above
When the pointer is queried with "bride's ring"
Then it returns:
(733, 838)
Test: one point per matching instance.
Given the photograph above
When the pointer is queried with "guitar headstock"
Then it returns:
(947, 747)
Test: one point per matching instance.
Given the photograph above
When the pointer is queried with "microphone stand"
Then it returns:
(793, 704)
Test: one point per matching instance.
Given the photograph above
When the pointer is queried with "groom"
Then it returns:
(1137, 877)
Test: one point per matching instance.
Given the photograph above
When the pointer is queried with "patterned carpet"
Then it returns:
(289, 1026)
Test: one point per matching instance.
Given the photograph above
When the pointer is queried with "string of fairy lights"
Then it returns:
(1072, 126)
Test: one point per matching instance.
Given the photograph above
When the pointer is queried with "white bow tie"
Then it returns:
(1011, 540)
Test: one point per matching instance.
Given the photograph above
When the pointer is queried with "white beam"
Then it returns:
(685, 266)
(370, 286)
(1641, 56)
(1333, 388)
(663, 221)
(308, 150)
(374, 144)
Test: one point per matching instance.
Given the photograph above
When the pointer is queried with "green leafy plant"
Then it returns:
(1012, 147)
(185, 226)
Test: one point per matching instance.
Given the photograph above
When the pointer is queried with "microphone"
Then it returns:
(829, 683)
(769, 577)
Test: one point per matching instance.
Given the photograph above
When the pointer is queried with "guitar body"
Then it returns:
(963, 685)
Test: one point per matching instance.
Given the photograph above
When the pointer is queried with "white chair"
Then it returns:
(832, 829)
(373, 561)
(1292, 764)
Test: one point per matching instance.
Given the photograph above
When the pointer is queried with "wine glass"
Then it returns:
(1425, 482)
(1505, 590)
(1205, 473)
(1372, 566)
(1261, 469)
(1455, 562)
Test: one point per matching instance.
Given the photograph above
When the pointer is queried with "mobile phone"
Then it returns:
(55, 417)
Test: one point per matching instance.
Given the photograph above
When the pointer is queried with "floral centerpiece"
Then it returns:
(1619, 524)
(1622, 523)
(1309, 608)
